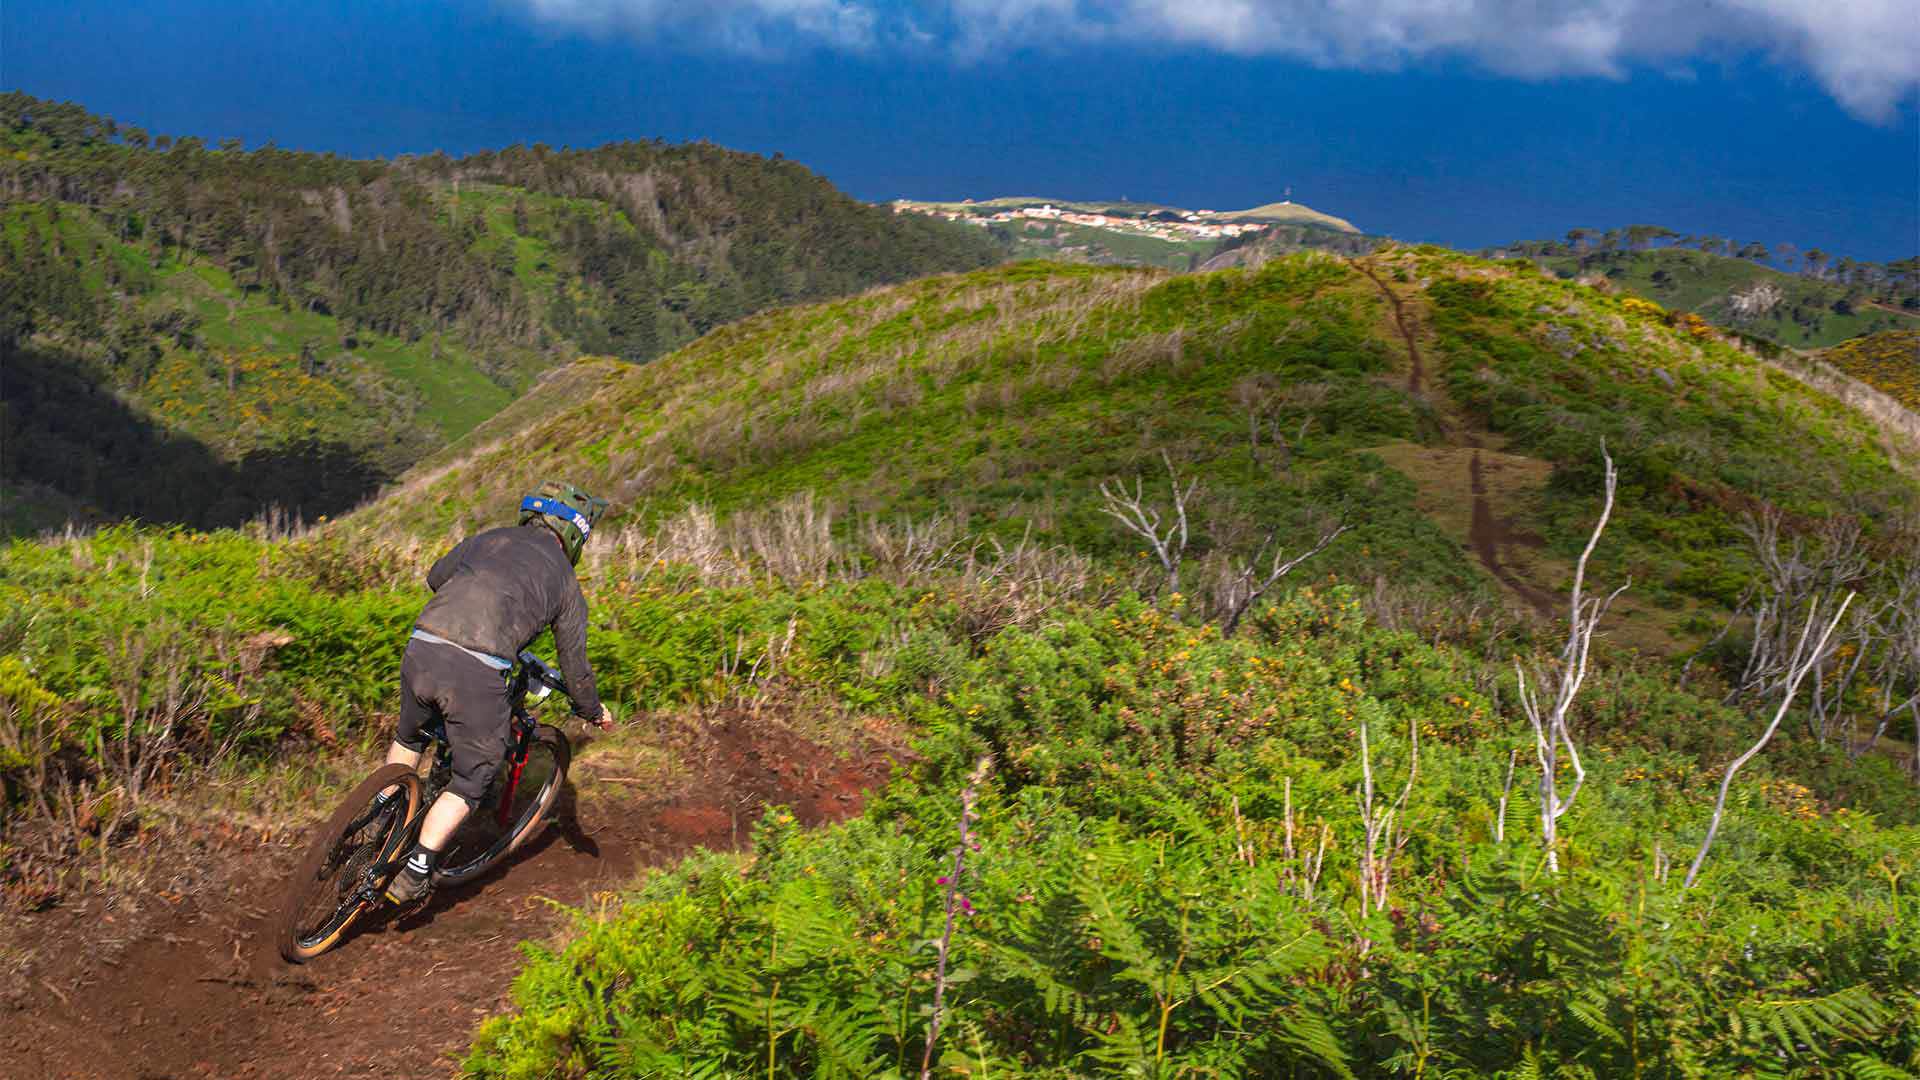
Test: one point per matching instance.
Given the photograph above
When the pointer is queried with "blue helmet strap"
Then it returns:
(554, 507)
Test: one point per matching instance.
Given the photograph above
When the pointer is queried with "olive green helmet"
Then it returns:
(568, 511)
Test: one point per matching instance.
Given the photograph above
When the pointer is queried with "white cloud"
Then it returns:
(1865, 52)
(753, 26)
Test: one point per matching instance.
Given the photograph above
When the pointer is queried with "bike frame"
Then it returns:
(519, 742)
(529, 676)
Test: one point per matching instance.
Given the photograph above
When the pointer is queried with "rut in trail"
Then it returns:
(1402, 321)
(1490, 533)
(201, 992)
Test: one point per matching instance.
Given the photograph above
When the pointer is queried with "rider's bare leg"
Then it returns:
(415, 878)
(400, 755)
(448, 811)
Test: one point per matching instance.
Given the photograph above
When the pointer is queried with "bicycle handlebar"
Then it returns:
(538, 672)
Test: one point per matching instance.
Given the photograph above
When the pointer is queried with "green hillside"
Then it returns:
(266, 303)
(1288, 212)
(1307, 844)
(1003, 399)
(1808, 312)
(1136, 891)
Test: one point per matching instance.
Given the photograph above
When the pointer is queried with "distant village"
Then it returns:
(1161, 224)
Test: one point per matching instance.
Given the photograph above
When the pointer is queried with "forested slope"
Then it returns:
(273, 302)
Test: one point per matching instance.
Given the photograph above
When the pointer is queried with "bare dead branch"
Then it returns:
(1242, 592)
(1384, 826)
(1800, 663)
(1506, 792)
(1562, 682)
(1143, 519)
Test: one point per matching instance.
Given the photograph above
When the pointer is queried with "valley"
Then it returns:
(257, 306)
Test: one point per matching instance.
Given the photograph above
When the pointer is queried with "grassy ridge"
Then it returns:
(1038, 376)
(1046, 380)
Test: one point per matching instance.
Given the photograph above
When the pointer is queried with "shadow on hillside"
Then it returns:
(61, 431)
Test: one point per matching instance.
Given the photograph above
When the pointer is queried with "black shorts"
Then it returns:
(442, 680)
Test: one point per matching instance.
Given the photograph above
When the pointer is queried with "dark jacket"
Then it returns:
(495, 591)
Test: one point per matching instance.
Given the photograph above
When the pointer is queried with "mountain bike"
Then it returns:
(346, 869)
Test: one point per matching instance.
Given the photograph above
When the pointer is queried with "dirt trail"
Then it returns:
(200, 992)
(1489, 533)
(1417, 375)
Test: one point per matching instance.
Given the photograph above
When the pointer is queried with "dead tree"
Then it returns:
(1241, 591)
(1384, 826)
(1561, 683)
(1254, 398)
(1897, 671)
(1167, 538)
(1795, 576)
(1835, 673)
(1799, 663)
(1302, 870)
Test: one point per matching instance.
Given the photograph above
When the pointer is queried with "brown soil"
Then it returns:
(1472, 492)
(1478, 495)
(1491, 532)
(184, 981)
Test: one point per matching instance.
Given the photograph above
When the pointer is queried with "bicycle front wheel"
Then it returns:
(488, 834)
(327, 892)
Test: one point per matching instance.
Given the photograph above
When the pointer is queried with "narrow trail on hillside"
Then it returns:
(1897, 310)
(1489, 533)
(1417, 376)
(201, 993)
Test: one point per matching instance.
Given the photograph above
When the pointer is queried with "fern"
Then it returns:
(1796, 1026)
(1590, 1008)
(1864, 1067)
(1312, 1037)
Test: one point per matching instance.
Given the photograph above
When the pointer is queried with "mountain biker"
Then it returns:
(493, 594)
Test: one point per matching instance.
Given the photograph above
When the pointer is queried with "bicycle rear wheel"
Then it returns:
(481, 839)
(326, 893)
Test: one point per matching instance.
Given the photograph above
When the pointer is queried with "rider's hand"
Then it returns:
(605, 723)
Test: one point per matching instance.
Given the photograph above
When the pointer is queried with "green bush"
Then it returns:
(1142, 898)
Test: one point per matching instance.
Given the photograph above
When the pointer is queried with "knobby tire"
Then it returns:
(330, 875)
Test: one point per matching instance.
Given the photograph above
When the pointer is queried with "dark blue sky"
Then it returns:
(1443, 150)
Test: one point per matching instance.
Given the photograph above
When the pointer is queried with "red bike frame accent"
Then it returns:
(503, 813)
